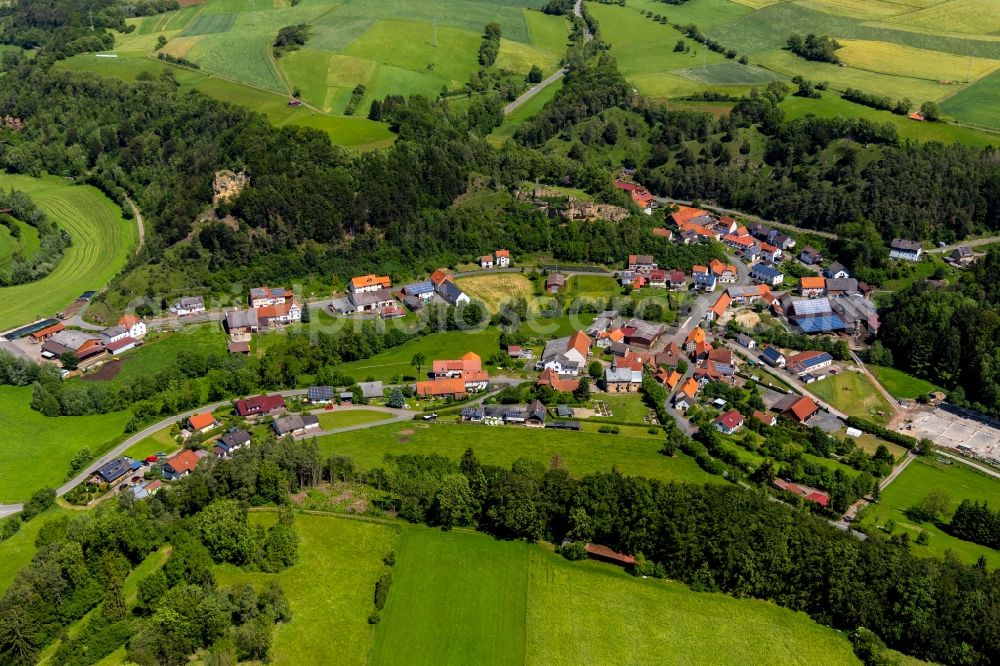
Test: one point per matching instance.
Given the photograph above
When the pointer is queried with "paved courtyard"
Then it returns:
(950, 430)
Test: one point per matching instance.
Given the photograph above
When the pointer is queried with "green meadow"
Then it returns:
(920, 477)
(853, 394)
(900, 384)
(102, 241)
(632, 452)
(18, 550)
(35, 450)
(395, 47)
(396, 361)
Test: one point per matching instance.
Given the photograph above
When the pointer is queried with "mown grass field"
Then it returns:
(853, 394)
(629, 407)
(35, 450)
(914, 483)
(155, 443)
(582, 453)
(396, 361)
(25, 245)
(831, 105)
(349, 417)
(457, 598)
(977, 105)
(900, 384)
(591, 613)
(497, 288)
(591, 287)
(102, 241)
(330, 589)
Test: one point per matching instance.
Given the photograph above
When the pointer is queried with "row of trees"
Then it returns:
(53, 240)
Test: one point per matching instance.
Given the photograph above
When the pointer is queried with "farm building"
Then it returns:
(857, 312)
(605, 554)
(319, 394)
(745, 341)
(567, 356)
(641, 333)
(809, 494)
(773, 357)
(808, 362)
(82, 344)
(188, 305)
(812, 286)
(121, 345)
(368, 283)
(295, 424)
(371, 390)
(242, 322)
(441, 388)
(813, 315)
(452, 294)
(555, 282)
(535, 415)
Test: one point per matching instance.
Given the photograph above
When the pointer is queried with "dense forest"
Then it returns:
(949, 335)
(82, 563)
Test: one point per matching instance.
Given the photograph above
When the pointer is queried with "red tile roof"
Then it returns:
(203, 420)
(685, 214)
(730, 420)
(259, 404)
(550, 377)
(441, 386)
(580, 342)
(128, 320)
(604, 553)
(371, 281)
(185, 461)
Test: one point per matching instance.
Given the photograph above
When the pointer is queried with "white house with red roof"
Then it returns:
(501, 258)
(729, 422)
(136, 327)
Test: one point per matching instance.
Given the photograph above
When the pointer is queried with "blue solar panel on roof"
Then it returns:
(822, 324)
(804, 306)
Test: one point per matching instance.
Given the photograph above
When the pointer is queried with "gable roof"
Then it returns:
(766, 419)
(550, 377)
(696, 335)
(441, 386)
(905, 245)
(363, 281)
(686, 214)
(128, 320)
(690, 387)
(185, 461)
(719, 308)
(439, 276)
(812, 282)
(730, 420)
(203, 420)
(580, 342)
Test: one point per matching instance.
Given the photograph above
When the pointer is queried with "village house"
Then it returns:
(718, 309)
(658, 279)
(810, 256)
(641, 263)
(295, 424)
(535, 415)
(678, 281)
(773, 357)
(369, 284)
(567, 356)
(835, 271)
(812, 286)
(136, 327)
(240, 324)
(796, 407)
(259, 405)
(739, 243)
(550, 377)
(188, 305)
(486, 261)
(113, 334)
(83, 345)
(696, 336)
(234, 440)
(280, 314)
(686, 214)
(182, 464)
(642, 333)
(767, 420)
(961, 256)
(555, 282)
(202, 422)
(502, 258)
(469, 363)
(261, 296)
(746, 341)
(729, 422)
(770, 253)
(906, 250)
(713, 371)
(767, 274)
(725, 273)
(704, 280)
(684, 399)
(112, 472)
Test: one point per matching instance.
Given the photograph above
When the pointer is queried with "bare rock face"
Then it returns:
(227, 185)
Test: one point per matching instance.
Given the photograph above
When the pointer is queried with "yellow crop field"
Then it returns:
(863, 9)
(976, 17)
(493, 290)
(900, 60)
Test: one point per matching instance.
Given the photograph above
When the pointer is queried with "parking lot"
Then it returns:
(950, 430)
